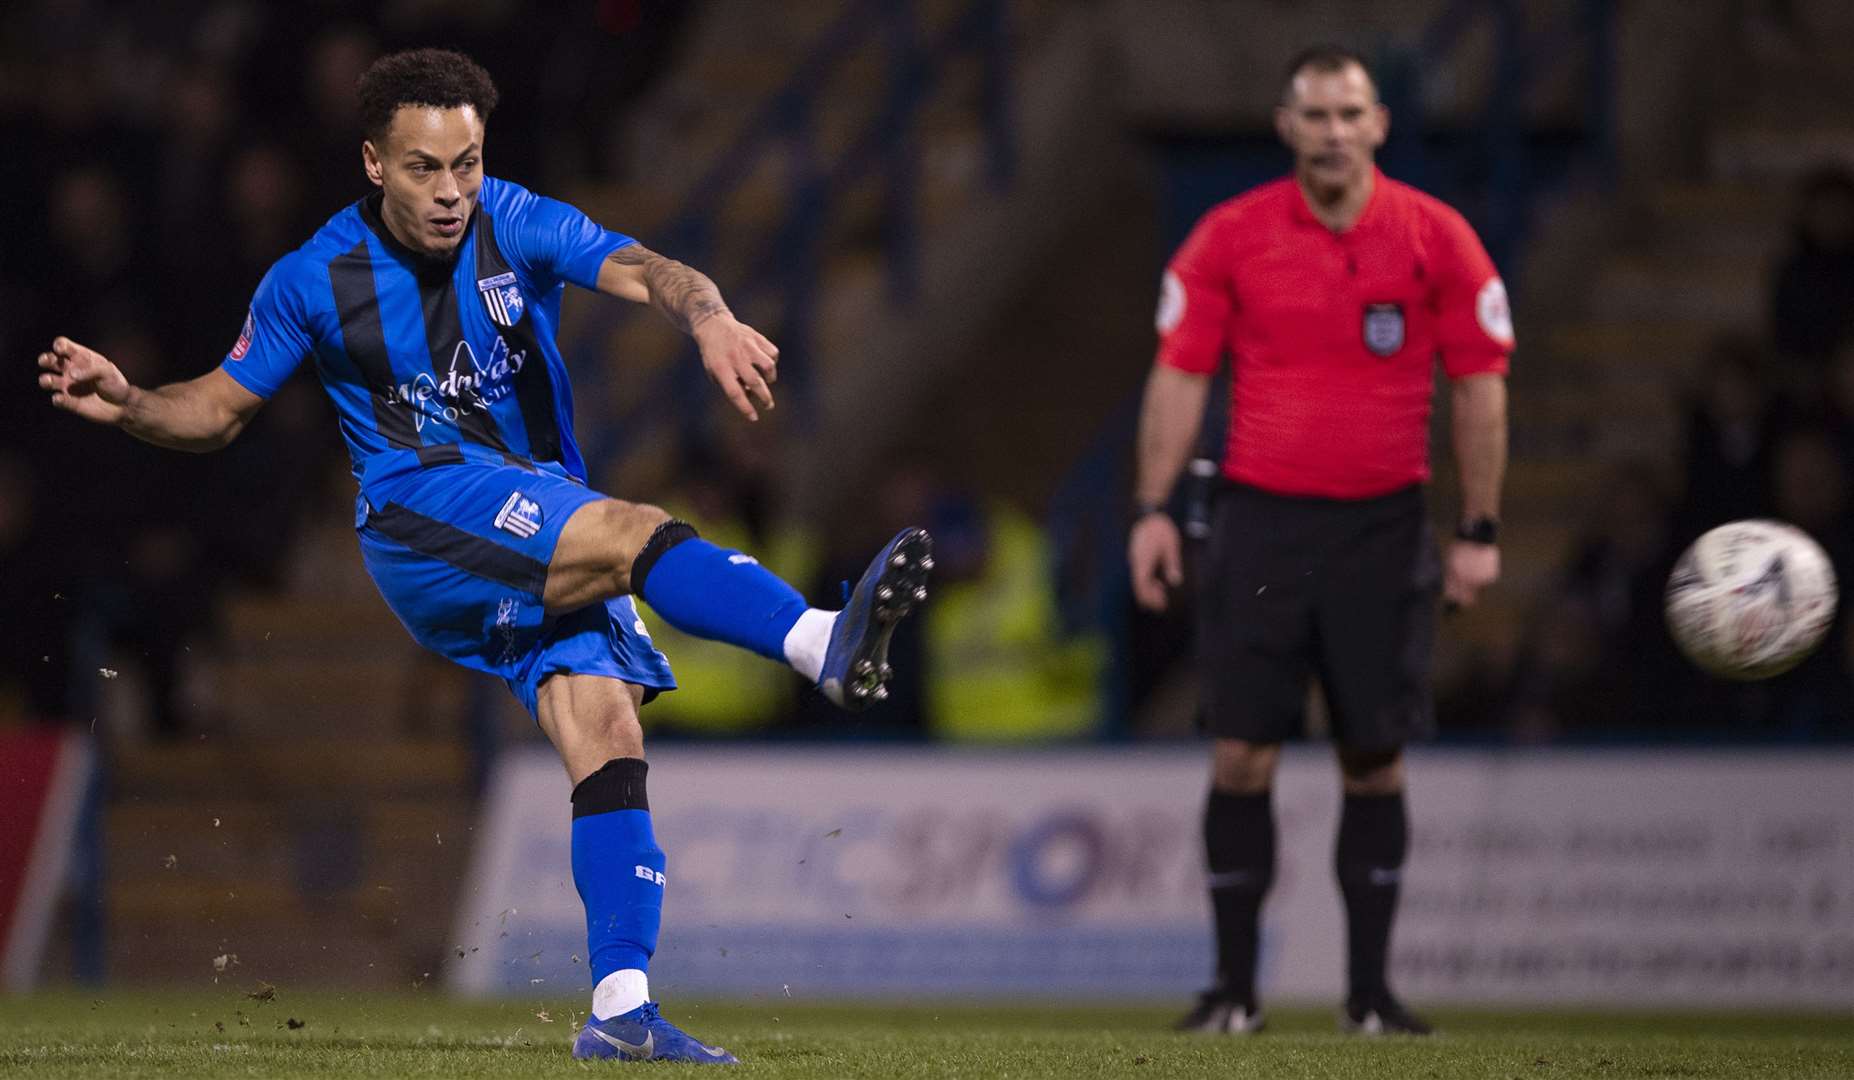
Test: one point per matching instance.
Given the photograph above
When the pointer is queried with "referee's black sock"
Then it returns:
(1374, 836)
(1239, 839)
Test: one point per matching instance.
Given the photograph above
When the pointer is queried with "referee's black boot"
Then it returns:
(1381, 1014)
(1218, 1014)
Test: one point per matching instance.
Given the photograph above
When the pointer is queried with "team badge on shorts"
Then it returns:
(1383, 328)
(519, 515)
(502, 298)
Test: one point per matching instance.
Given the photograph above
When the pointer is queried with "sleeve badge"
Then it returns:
(1493, 312)
(1171, 303)
(243, 344)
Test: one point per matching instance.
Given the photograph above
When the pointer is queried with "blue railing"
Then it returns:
(787, 260)
(1497, 161)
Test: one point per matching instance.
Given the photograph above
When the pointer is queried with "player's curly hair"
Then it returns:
(440, 78)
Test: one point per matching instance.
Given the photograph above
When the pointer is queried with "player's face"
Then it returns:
(1334, 124)
(430, 167)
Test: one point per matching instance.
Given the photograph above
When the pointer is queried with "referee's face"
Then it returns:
(1334, 124)
(429, 165)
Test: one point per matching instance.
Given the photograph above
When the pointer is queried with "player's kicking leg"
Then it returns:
(617, 867)
(611, 548)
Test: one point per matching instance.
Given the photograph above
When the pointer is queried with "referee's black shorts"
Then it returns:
(1343, 590)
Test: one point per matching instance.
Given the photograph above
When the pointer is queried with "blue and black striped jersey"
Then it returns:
(419, 354)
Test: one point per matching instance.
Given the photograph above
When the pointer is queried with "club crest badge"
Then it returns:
(1383, 328)
(519, 515)
(501, 298)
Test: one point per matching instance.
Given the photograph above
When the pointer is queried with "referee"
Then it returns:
(1334, 291)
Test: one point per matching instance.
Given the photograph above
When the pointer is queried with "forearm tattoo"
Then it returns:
(682, 293)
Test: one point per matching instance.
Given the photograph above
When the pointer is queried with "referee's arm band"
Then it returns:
(1142, 510)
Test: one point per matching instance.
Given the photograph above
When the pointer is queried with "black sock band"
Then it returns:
(1239, 842)
(618, 785)
(1374, 837)
(666, 536)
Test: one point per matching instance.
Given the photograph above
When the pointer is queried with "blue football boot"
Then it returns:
(643, 1035)
(856, 670)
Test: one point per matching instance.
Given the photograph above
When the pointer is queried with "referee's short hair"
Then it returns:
(439, 78)
(1327, 59)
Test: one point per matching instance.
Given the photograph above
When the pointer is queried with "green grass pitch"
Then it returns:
(223, 1033)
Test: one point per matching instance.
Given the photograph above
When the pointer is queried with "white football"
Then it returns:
(1751, 599)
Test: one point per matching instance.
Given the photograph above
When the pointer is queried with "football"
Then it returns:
(1751, 599)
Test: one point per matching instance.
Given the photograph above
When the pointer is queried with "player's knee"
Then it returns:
(1241, 767)
(591, 720)
(625, 528)
(631, 524)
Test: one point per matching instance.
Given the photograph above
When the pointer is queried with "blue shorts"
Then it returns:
(460, 552)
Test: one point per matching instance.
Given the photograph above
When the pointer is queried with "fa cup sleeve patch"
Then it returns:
(243, 344)
(1171, 303)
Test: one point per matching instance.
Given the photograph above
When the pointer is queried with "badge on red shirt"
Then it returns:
(1384, 329)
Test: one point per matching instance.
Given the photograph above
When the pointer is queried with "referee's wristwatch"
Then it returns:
(1480, 530)
(1144, 510)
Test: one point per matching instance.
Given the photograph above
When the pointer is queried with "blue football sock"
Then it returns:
(714, 593)
(617, 868)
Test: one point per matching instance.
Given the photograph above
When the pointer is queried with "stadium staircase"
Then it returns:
(312, 825)
(871, 181)
(1696, 256)
(315, 860)
(1679, 262)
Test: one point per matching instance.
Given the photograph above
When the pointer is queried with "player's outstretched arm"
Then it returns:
(198, 415)
(738, 358)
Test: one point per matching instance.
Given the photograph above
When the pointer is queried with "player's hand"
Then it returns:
(1155, 553)
(741, 362)
(82, 381)
(1470, 568)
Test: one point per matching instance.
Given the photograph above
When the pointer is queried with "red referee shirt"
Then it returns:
(1333, 336)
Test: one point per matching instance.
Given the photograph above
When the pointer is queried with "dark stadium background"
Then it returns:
(951, 215)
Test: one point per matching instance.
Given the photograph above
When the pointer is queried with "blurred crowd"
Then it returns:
(159, 158)
(989, 658)
(1767, 431)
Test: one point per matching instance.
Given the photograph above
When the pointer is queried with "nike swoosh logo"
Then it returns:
(637, 1051)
